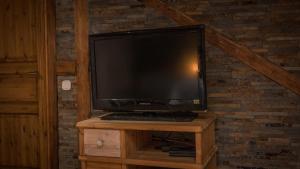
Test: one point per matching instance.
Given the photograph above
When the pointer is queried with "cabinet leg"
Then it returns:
(213, 163)
(83, 165)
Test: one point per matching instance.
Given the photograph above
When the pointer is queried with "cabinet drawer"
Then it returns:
(98, 142)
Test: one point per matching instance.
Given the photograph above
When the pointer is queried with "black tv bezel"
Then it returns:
(146, 104)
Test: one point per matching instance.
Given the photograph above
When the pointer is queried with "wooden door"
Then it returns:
(27, 84)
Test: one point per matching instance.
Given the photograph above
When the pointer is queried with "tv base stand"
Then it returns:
(151, 116)
(130, 145)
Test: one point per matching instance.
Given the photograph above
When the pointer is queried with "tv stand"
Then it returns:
(178, 116)
(130, 144)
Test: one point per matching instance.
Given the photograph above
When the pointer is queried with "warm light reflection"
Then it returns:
(191, 66)
(194, 68)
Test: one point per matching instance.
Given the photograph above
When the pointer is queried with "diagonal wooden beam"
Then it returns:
(244, 54)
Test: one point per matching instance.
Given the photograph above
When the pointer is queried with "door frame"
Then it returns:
(47, 87)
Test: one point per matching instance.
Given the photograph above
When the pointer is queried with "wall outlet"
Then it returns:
(66, 85)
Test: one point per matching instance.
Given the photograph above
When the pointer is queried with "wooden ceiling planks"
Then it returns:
(244, 54)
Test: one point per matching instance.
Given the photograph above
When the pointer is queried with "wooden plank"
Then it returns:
(208, 141)
(159, 163)
(15, 167)
(172, 13)
(199, 148)
(18, 68)
(143, 126)
(18, 89)
(123, 145)
(18, 108)
(196, 126)
(65, 68)
(47, 89)
(212, 163)
(81, 142)
(18, 30)
(258, 63)
(19, 141)
(81, 45)
(148, 156)
(244, 54)
(210, 155)
(130, 141)
(150, 153)
(95, 165)
(83, 165)
(100, 159)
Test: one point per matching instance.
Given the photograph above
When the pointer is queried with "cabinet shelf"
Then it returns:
(163, 163)
(150, 153)
(156, 158)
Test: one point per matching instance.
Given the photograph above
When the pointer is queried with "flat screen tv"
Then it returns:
(157, 69)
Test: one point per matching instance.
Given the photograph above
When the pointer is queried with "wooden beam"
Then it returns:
(174, 14)
(244, 54)
(255, 61)
(81, 45)
(65, 68)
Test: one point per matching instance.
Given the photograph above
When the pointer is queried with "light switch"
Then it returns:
(66, 85)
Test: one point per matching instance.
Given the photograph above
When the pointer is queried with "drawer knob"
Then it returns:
(99, 143)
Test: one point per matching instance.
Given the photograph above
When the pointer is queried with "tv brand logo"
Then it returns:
(144, 103)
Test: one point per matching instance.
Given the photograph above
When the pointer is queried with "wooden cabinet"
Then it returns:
(129, 145)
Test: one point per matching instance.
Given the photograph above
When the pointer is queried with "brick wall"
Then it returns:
(258, 124)
(68, 138)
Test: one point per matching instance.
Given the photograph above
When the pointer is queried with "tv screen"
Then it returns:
(161, 69)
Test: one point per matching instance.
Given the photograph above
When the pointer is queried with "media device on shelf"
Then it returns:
(152, 71)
